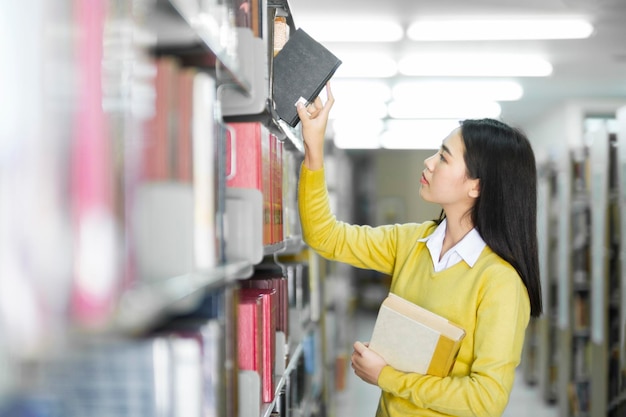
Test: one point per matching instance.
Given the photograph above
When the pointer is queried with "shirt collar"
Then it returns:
(469, 248)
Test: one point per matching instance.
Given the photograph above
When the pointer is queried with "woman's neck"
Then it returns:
(457, 227)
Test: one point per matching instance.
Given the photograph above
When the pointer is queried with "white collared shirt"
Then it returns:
(468, 249)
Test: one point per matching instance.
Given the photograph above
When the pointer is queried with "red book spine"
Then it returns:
(248, 165)
(243, 156)
(183, 164)
(249, 334)
(269, 305)
(278, 283)
(266, 150)
(160, 130)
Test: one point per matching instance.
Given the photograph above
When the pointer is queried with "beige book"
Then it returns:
(413, 339)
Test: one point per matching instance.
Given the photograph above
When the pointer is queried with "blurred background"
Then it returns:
(102, 241)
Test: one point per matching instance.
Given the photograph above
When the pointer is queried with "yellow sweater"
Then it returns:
(488, 300)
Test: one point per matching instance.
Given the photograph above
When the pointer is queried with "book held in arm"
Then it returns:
(301, 70)
(413, 339)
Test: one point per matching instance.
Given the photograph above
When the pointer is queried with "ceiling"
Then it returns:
(589, 68)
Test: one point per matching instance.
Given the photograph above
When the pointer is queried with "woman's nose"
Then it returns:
(428, 162)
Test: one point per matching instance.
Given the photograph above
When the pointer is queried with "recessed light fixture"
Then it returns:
(366, 65)
(452, 108)
(357, 133)
(478, 64)
(499, 28)
(496, 90)
(359, 90)
(351, 94)
(417, 134)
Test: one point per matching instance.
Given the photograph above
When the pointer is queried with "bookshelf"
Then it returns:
(544, 362)
(589, 303)
(137, 312)
(614, 305)
(617, 278)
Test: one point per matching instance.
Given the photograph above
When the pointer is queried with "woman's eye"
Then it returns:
(441, 158)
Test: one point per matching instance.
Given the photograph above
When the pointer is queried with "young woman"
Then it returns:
(477, 265)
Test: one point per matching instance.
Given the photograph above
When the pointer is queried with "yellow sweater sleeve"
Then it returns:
(360, 246)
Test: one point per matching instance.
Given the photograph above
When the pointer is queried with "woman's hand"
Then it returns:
(314, 119)
(366, 363)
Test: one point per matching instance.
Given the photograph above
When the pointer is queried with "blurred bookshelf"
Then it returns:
(129, 247)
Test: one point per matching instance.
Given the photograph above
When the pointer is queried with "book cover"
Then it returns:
(269, 303)
(413, 339)
(276, 181)
(160, 129)
(92, 207)
(183, 149)
(248, 164)
(204, 171)
(273, 281)
(249, 334)
(301, 70)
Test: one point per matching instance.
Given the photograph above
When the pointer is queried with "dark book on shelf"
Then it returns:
(301, 70)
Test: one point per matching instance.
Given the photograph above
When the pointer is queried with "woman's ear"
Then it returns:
(474, 190)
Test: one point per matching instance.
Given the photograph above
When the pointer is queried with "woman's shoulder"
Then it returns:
(493, 267)
(418, 230)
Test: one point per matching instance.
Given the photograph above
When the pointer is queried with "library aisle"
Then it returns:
(361, 399)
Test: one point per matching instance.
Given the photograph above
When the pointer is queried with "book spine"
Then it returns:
(205, 174)
(160, 131)
(249, 334)
(248, 165)
(266, 181)
(268, 337)
(184, 150)
(94, 225)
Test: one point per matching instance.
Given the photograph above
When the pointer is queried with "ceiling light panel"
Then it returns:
(366, 65)
(417, 134)
(496, 90)
(453, 108)
(357, 133)
(465, 64)
(503, 28)
(350, 96)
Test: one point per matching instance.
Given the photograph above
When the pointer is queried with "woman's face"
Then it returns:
(444, 180)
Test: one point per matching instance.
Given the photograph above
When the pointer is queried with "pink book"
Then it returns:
(268, 340)
(95, 275)
(248, 165)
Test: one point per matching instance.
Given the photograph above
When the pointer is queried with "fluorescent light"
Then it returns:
(353, 109)
(474, 65)
(366, 65)
(417, 134)
(497, 90)
(443, 109)
(324, 29)
(502, 28)
(351, 94)
(361, 133)
(360, 90)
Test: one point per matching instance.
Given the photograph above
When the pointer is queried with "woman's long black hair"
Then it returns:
(505, 213)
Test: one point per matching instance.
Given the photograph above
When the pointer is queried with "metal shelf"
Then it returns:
(181, 23)
(144, 305)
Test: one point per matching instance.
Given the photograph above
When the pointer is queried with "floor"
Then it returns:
(361, 399)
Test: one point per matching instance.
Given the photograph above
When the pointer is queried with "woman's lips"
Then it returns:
(423, 180)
